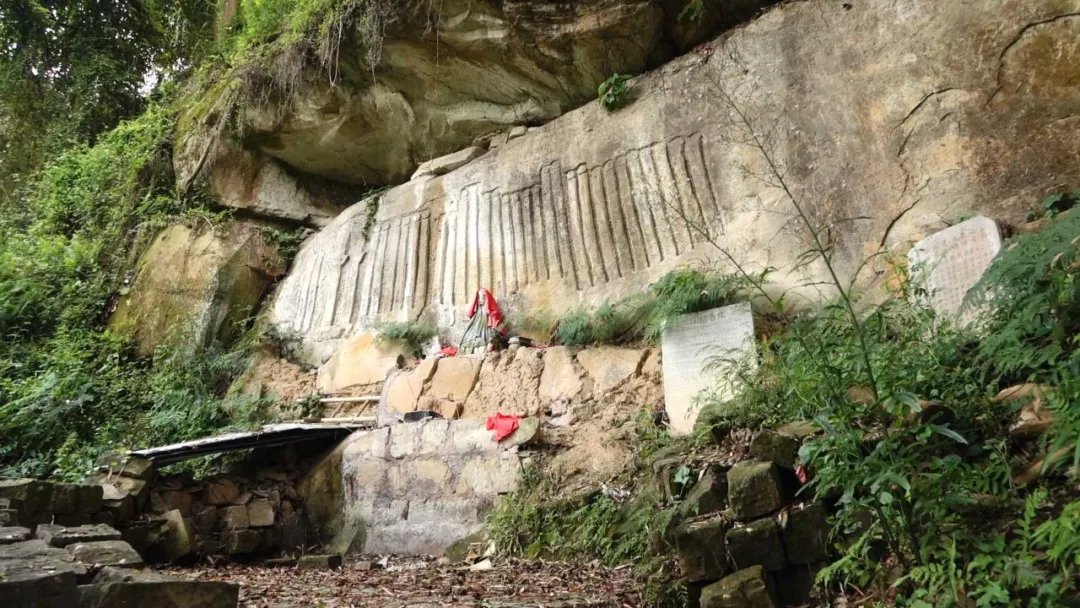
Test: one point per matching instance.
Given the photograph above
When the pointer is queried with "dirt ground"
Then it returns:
(425, 583)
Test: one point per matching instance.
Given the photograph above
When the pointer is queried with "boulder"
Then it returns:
(361, 360)
(14, 534)
(748, 588)
(106, 553)
(805, 531)
(709, 494)
(174, 593)
(115, 488)
(59, 536)
(609, 367)
(771, 446)
(756, 544)
(319, 562)
(700, 547)
(196, 283)
(754, 489)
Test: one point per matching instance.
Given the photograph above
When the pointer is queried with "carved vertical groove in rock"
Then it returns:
(602, 221)
(577, 233)
(520, 268)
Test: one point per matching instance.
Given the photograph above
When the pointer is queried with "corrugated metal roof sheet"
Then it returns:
(270, 435)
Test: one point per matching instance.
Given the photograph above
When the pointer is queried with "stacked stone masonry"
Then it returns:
(413, 488)
(560, 384)
(751, 542)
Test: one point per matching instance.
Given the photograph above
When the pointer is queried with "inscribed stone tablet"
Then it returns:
(950, 262)
(726, 332)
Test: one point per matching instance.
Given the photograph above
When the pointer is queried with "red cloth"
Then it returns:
(504, 426)
(449, 351)
(484, 298)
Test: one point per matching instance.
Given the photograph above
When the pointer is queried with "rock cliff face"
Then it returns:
(908, 113)
(455, 70)
(195, 283)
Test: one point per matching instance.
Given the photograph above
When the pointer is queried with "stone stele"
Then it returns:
(952, 261)
(689, 346)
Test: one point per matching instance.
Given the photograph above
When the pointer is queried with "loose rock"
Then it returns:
(756, 544)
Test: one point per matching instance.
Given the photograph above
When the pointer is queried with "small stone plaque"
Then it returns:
(952, 261)
(688, 346)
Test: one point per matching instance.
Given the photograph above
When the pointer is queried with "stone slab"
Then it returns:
(177, 593)
(952, 261)
(14, 534)
(115, 553)
(688, 345)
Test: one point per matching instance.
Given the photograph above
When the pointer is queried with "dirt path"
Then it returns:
(421, 583)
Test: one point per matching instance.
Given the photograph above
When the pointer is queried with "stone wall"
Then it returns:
(749, 535)
(559, 384)
(909, 126)
(412, 488)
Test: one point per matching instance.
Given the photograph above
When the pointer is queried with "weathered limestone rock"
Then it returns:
(455, 378)
(446, 164)
(361, 360)
(560, 380)
(756, 544)
(13, 534)
(195, 284)
(609, 367)
(709, 494)
(754, 489)
(860, 144)
(701, 550)
(106, 553)
(770, 446)
(749, 588)
(59, 536)
(806, 530)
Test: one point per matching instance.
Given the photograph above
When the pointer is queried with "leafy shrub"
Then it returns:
(415, 335)
(613, 91)
(644, 317)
